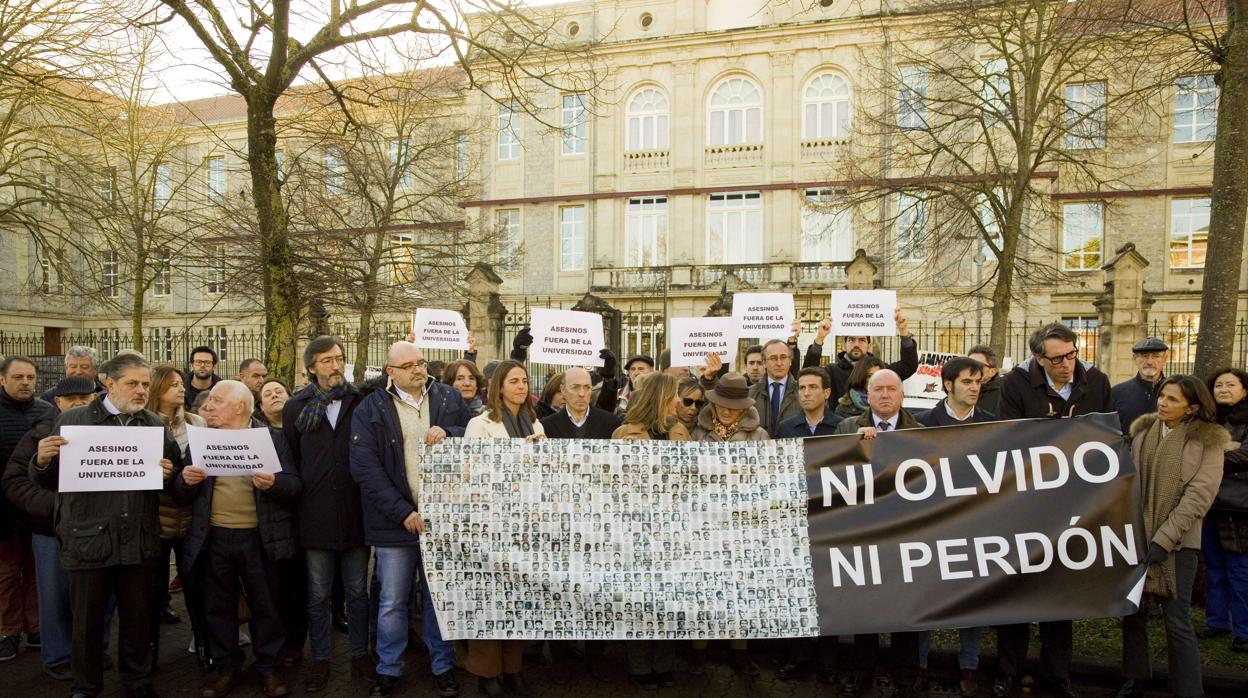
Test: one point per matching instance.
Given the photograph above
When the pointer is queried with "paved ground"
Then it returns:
(180, 676)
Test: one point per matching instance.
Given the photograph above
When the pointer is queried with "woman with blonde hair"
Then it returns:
(498, 664)
(166, 398)
(652, 415)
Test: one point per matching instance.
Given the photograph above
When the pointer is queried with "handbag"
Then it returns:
(1232, 493)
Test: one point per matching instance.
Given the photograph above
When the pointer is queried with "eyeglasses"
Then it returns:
(1063, 358)
(776, 358)
(410, 366)
(202, 362)
(332, 360)
(690, 402)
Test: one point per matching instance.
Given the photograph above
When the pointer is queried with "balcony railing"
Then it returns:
(646, 161)
(640, 278)
(752, 275)
(820, 274)
(824, 149)
(734, 155)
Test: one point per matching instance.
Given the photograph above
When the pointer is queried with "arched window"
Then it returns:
(826, 112)
(735, 113)
(647, 120)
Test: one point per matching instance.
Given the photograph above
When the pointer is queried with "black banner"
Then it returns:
(1026, 520)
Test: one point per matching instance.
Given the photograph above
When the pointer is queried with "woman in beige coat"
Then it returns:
(509, 414)
(1178, 452)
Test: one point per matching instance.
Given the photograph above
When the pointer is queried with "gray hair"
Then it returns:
(81, 352)
(241, 393)
(124, 361)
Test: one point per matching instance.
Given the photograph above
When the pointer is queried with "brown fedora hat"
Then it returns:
(732, 392)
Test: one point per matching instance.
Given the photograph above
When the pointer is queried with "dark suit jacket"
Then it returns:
(598, 425)
(789, 406)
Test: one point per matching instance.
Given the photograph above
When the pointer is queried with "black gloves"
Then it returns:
(610, 365)
(523, 339)
(1156, 554)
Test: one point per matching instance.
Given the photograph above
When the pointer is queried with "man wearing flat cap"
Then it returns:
(1138, 395)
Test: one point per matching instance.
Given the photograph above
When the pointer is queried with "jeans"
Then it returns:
(1226, 583)
(397, 568)
(1181, 649)
(55, 622)
(320, 588)
(968, 647)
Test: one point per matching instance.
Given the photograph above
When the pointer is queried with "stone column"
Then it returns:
(484, 312)
(860, 273)
(1123, 308)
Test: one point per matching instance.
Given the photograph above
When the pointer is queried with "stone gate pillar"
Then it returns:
(485, 313)
(1123, 308)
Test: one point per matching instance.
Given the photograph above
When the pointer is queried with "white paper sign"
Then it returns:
(566, 337)
(439, 329)
(695, 337)
(864, 313)
(111, 459)
(229, 452)
(763, 315)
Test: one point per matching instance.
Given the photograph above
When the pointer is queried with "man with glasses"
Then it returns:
(388, 431)
(317, 425)
(1054, 383)
(580, 420)
(775, 396)
(201, 374)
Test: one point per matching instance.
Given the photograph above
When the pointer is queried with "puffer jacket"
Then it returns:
(748, 429)
(105, 529)
(25, 494)
(275, 509)
(174, 520)
(1200, 474)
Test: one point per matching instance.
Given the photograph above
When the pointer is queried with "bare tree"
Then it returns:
(263, 48)
(968, 113)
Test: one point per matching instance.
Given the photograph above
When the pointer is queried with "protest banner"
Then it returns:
(575, 538)
(695, 337)
(864, 313)
(969, 526)
(763, 315)
(232, 452)
(435, 328)
(109, 459)
(924, 389)
(566, 337)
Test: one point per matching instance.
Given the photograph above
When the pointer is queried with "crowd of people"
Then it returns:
(290, 552)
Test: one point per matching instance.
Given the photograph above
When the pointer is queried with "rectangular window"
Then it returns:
(645, 239)
(160, 344)
(1083, 228)
(110, 274)
(1181, 333)
(461, 156)
(1085, 115)
(911, 226)
(575, 125)
(106, 185)
(989, 223)
(335, 173)
(1189, 232)
(162, 279)
(163, 188)
(401, 159)
(216, 179)
(1195, 108)
(994, 90)
(1088, 330)
(50, 277)
(215, 276)
(402, 260)
(734, 228)
(827, 228)
(572, 238)
(509, 130)
(912, 97)
(218, 341)
(507, 227)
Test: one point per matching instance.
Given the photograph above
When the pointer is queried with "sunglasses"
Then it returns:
(690, 402)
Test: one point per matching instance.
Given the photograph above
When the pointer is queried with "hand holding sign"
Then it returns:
(694, 337)
(232, 452)
(763, 315)
(864, 313)
(110, 459)
(566, 337)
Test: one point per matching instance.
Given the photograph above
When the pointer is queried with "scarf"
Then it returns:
(517, 428)
(858, 398)
(725, 431)
(1162, 461)
(313, 413)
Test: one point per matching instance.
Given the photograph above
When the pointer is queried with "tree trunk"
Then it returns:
(137, 299)
(1219, 299)
(363, 337)
(280, 284)
(1011, 233)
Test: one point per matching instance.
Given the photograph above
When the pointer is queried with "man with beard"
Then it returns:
(19, 602)
(1138, 395)
(854, 348)
(201, 374)
(317, 424)
(111, 540)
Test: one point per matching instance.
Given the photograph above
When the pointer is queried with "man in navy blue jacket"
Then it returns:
(387, 430)
(814, 387)
(960, 377)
